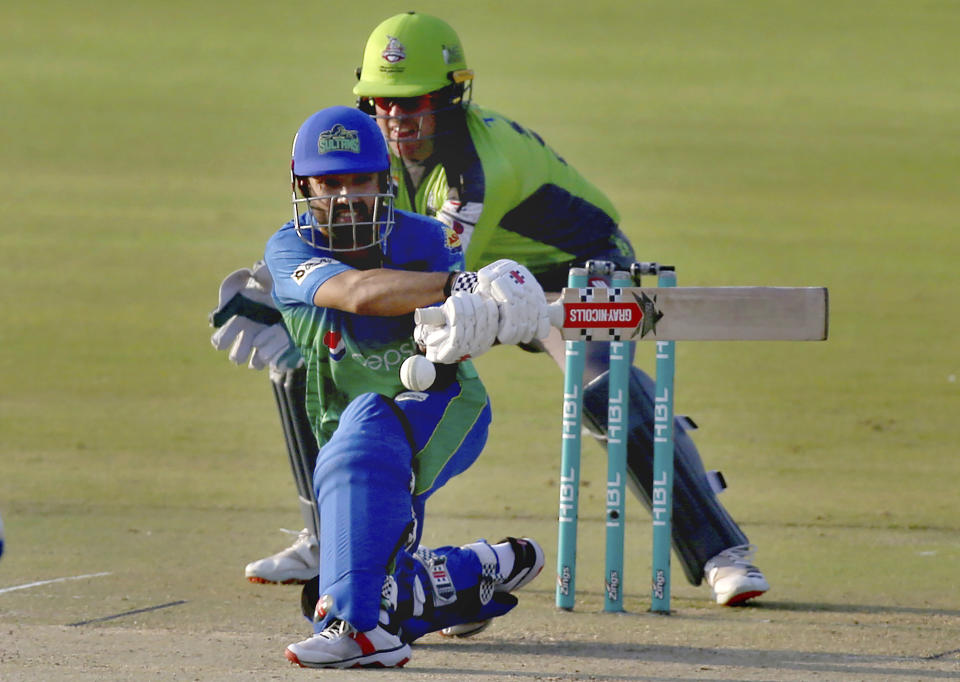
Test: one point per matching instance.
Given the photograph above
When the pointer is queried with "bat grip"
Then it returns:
(555, 311)
(432, 316)
(435, 316)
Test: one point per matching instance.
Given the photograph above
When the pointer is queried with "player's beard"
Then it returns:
(350, 229)
(345, 236)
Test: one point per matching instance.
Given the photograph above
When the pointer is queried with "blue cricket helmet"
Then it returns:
(341, 140)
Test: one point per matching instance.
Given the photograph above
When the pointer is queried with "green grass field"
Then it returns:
(145, 154)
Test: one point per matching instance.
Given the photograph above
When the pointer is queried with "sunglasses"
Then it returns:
(407, 105)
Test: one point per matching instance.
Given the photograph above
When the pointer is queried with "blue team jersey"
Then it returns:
(348, 354)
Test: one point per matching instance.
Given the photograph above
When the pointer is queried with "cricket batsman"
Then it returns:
(348, 273)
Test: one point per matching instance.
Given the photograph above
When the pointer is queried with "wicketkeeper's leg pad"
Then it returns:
(289, 391)
(702, 528)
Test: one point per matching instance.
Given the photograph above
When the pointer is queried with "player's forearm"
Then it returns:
(381, 292)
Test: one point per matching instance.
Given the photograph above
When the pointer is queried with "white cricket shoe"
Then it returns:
(295, 565)
(339, 645)
(527, 564)
(732, 577)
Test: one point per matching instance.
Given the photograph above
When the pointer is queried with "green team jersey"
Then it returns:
(514, 197)
(348, 354)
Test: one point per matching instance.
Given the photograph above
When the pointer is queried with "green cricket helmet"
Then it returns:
(412, 54)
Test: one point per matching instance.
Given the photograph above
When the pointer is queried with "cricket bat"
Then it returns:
(692, 314)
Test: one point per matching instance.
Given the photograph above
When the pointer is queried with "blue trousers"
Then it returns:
(372, 480)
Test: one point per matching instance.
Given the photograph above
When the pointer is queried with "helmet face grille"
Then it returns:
(364, 230)
(407, 121)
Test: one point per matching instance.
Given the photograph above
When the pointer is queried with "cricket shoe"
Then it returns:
(340, 645)
(295, 565)
(527, 563)
(732, 577)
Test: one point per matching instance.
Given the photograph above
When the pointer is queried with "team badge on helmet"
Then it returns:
(452, 53)
(394, 51)
(338, 139)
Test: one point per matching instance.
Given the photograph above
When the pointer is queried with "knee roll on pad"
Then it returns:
(702, 528)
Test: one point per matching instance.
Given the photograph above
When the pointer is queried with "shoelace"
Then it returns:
(301, 535)
(335, 630)
(741, 555)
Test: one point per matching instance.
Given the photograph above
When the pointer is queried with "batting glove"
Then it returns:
(468, 328)
(523, 311)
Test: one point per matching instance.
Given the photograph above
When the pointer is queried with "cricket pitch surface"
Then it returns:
(770, 642)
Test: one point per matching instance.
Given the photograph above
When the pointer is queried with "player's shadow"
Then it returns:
(850, 666)
(850, 608)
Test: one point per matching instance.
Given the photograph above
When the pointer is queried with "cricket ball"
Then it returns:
(417, 373)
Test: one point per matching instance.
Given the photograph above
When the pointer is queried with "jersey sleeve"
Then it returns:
(448, 251)
(419, 243)
(297, 270)
(536, 208)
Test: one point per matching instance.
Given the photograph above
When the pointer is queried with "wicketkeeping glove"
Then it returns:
(468, 328)
(249, 324)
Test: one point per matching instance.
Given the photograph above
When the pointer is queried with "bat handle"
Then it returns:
(432, 316)
(555, 311)
(435, 316)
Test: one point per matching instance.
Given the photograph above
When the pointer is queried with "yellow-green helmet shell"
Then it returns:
(411, 54)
